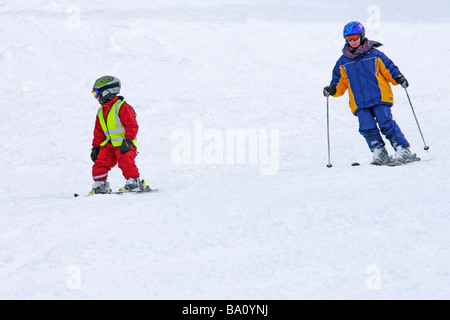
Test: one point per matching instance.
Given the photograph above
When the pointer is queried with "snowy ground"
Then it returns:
(280, 225)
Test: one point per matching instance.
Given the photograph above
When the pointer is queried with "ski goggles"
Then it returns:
(96, 93)
(352, 37)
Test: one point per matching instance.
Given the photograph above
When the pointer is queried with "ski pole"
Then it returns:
(425, 145)
(329, 165)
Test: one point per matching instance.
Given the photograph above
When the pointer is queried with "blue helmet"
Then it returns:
(354, 27)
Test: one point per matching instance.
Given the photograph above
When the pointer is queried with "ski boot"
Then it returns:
(100, 187)
(404, 155)
(133, 185)
(381, 156)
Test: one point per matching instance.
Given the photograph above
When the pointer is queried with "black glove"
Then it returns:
(94, 153)
(329, 91)
(126, 146)
(402, 81)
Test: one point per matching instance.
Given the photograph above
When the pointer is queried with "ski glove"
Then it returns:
(329, 91)
(126, 146)
(94, 153)
(402, 81)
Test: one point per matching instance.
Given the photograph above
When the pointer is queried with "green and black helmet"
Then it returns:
(106, 88)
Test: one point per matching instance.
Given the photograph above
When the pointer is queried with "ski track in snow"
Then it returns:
(222, 231)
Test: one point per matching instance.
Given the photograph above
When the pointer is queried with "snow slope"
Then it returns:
(277, 225)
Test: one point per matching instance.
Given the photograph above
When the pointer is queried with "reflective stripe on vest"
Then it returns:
(113, 128)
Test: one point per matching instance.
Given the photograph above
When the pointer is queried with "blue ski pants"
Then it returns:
(381, 115)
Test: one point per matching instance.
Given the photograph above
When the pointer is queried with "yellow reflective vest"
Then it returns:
(112, 127)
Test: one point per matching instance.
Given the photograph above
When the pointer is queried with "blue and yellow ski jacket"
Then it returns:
(366, 75)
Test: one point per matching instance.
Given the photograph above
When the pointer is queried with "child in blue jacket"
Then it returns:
(366, 72)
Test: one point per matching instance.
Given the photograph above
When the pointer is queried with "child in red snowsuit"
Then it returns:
(114, 137)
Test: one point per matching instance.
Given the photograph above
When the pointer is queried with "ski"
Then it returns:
(137, 191)
(144, 189)
(116, 192)
(392, 163)
(395, 163)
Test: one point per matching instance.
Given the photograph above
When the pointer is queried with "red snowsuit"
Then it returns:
(109, 156)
